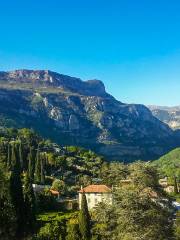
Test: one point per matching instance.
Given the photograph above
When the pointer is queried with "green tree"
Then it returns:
(21, 155)
(31, 164)
(16, 192)
(7, 211)
(177, 226)
(105, 219)
(140, 211)
(84, 219)
(141, 217)
(60, 186)
(175, 185)
(30, 204)
(9, 157)
(52, 230)
(143, 175)
(72, 231)
(38, 167)
(112, 173)
(42, 171)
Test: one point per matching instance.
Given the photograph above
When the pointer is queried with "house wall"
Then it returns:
(94, 198)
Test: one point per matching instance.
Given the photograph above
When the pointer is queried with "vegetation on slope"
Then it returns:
(169, 164)
(140, 209)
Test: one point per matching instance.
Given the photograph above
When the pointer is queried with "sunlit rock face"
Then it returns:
(75, 112)
(168, 115)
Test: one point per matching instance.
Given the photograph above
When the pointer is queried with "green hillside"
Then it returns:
(169, 164)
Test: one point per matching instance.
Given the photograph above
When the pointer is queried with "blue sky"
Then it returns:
(132, 46)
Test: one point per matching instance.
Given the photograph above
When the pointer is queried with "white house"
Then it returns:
(96, 194)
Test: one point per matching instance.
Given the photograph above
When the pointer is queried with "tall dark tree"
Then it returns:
(30, 204)
(176, 190)
(42, 171)
(38, 168)
(16, 191)
(9, 157)
(31, 164)
(21, 156)
(7, 211)
(14, 159)
(84, 219)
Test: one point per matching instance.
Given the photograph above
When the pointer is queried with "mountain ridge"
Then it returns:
(75, 112)
(47, 78)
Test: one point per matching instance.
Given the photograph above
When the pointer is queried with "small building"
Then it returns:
(125, 182)
(39, 188)
(96, 194)
(163, 182)
(165, 185)
(169, 189)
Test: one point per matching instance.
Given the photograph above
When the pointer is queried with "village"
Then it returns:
(97, 193)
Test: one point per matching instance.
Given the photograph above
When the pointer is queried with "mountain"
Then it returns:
(168, 115)
(74, 112)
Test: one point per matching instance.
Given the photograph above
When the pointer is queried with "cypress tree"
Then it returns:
(7, 211)
(30, 206)
(84, 219)
(31, 164)
(9, 157)
(42, 171)
(16, 192)
(175, 186)
(21, 157)
(14, 160)
(38, 168)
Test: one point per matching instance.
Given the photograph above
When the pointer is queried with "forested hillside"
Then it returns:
(169, 164)
(140, 209)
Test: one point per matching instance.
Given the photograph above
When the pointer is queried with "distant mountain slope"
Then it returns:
(169, 164)
(168, 115)
(75, 112)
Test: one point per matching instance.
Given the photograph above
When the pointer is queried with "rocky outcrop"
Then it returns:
(168, 115)
(73, 112)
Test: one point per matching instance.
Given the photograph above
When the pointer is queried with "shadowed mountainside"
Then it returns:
(75, 112)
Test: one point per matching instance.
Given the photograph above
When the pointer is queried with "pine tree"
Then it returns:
(16, 191)
(84, 219)
(31, 164)
(30, 206)
(38, 168)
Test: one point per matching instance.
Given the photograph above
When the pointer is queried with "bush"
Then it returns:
(46, 202)
(53, 230)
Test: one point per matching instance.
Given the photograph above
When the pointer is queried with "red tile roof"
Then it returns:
(96, 189)
(54, 192)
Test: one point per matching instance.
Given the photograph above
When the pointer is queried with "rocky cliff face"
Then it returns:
(168, 115)
(75, 112)
(48, 79)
